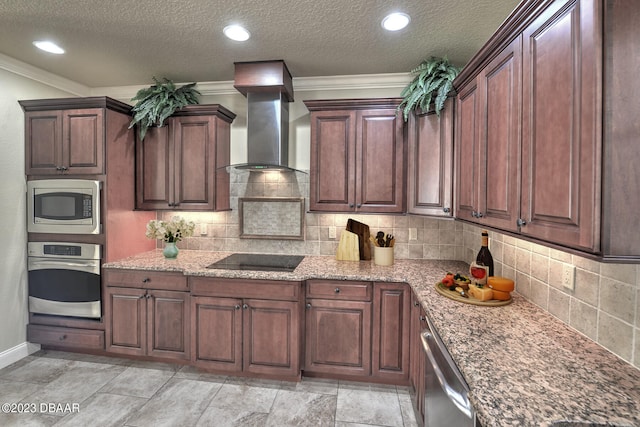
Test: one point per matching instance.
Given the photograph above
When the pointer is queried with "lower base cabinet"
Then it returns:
(358, 329)
(144, 321)
(64, 337)
(418, 357)
(259, 335)
(338, 337)
(391, 322)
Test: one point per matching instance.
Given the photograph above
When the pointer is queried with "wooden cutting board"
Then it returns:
(362, 230)
(348, 247)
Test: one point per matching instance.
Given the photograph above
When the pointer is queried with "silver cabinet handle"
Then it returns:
(521, 222)
(446, 210)
(237, 307)
(245, 306)
(308, 305)
(337, 290)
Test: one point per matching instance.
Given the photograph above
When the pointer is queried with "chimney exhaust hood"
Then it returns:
(269, 89)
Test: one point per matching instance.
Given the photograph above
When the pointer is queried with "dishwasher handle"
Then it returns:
(458, 399)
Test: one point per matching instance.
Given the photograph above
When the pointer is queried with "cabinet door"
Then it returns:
(500, 86)
(418, 323)
(126, 320)
(338, 337)
(467, 152)
(272, 337)
(380, 152)
(430, 168)
(194, 153)
(154, 169)
(169, 324)
(391, 326)
(333, 135)
(83, 141)
(43, 135)
(561, 125)
(216, 325)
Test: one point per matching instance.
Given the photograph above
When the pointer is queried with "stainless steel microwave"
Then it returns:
(69, 206)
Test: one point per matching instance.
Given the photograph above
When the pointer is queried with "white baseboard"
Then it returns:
(16, 353)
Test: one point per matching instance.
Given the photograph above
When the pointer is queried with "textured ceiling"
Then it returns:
(126, 42)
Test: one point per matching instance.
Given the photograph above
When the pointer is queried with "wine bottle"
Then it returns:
(484, 255)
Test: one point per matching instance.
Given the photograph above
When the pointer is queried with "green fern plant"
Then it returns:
(157, 102)
(432, 83)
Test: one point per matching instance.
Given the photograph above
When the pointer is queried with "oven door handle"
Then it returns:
(459, 400)
(87, 266)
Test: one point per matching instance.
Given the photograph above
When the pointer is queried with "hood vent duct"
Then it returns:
(269, 89)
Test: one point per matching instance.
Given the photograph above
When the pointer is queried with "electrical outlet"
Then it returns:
(569, 276)
(413, 234)
(332, 232)
(203, 229)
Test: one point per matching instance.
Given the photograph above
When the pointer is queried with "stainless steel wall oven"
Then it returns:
(64, 279)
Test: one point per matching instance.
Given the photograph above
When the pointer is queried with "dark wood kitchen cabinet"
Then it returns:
(181, 166)
(488, 143)
(391, 328)
(338, 328)
(247, 326)
(70, 135)
(144, 317)
(430, 162)
(357, 156)
(418, 356)
(561, 124)
(577, 183)
(357, 330)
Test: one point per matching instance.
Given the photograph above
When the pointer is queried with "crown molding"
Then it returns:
(39, 75)
(300, 84)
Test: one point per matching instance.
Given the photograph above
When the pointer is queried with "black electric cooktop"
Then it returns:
(259, 262)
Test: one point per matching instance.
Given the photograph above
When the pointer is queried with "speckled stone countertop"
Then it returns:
(524, 367)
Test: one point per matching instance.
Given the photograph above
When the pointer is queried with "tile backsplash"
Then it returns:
(604, 304)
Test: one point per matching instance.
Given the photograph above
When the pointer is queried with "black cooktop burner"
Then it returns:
(259, 262)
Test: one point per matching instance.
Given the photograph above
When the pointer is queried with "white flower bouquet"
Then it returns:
(172, 231)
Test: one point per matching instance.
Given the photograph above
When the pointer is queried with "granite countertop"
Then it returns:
(524, 367)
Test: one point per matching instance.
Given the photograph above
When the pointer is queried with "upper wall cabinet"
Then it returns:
(487, 143)
(430, 162)
(357, 156)
(551, 151)
(67, 136)
(180, 166)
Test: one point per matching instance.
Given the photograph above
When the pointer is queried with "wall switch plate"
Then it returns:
(569, 276)
(203, 229)
(413, 234)
(332, 232)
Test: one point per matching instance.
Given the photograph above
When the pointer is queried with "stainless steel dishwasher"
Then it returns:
(446, 401)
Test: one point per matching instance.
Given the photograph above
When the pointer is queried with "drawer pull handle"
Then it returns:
(146, 280)
(63, 337)
(337, 290)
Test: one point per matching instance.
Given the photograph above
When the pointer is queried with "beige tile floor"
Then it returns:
(66, 389)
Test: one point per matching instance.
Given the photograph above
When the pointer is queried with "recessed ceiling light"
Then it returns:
(395, 21)
(48, 46)
(236, 32)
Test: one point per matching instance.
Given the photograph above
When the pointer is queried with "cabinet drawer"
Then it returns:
(146, 279)
(241, 288)
(339, 289)
(65, 337)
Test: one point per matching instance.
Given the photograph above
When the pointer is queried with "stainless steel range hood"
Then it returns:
(269, 89)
